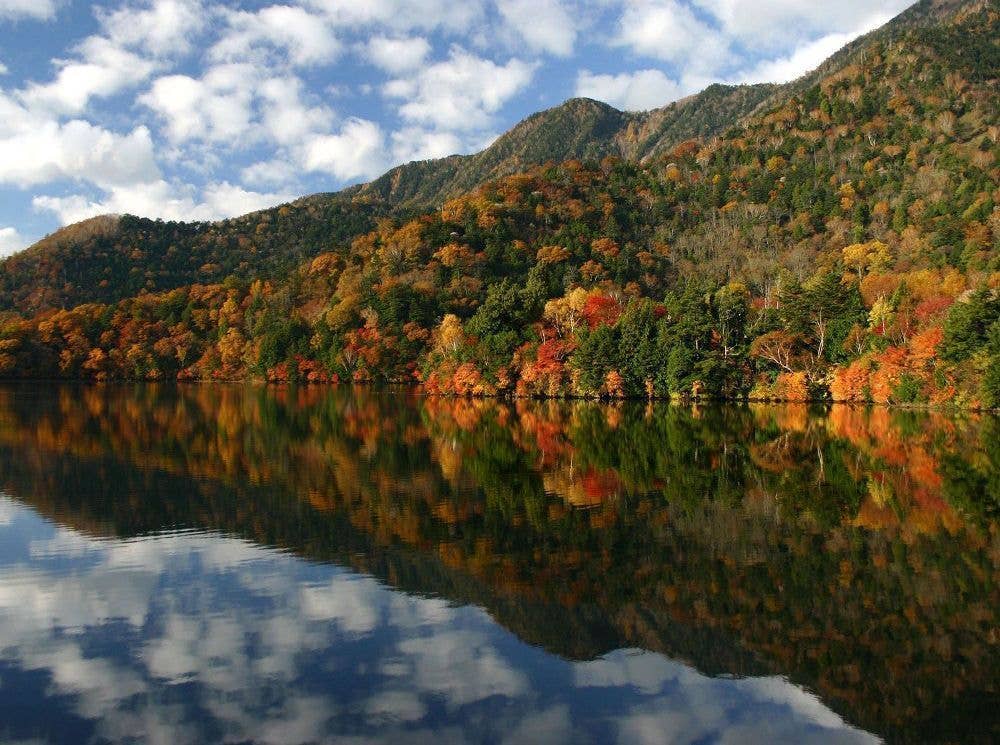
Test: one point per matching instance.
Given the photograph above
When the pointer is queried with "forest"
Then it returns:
(842, 246)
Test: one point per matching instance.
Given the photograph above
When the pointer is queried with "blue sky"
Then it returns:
(205, 109)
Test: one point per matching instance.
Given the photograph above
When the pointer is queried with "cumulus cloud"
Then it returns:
(224, 200)
(668, 30)
(216, 201)
(804, 58)
(39, 10)
(300, 37)
(286, 117)
(715, 40)
(269, 172)
(11, 241)
(77, 151)
(416, 143)
(356, 151)
(397, 55)
(545, 25)
(638, 91)
(776, 21)
(460, 93)
(163, 27)
(404, 15)
(216, 107)
(103, 70)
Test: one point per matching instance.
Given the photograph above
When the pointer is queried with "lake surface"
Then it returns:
(228, 563)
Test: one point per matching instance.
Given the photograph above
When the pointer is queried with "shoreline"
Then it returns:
(418, 389)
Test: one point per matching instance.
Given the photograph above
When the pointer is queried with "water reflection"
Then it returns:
(184, 563)
(190, 637)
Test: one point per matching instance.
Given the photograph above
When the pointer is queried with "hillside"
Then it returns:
(109, 258)
(578, 129)
(106, 259)
(75, 265)
(843, 243)
(586, 129)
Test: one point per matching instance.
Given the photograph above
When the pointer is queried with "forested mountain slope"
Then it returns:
(109, 258)
(80, 264)
(578, 129)
(581, 128)
(844, 243)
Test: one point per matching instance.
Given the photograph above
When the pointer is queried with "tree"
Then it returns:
(990, 389)
(449, 337)
(968, 325)
(865, 258)
(780, 348)
(566, 313)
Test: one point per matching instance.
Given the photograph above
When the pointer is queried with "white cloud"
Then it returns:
(358, 151)
(302, 37)
(151, 200)
(724, 38)
(404, 15)
(800, 61)
(804, 58)
(668, 30)
(545, 25)
(161, 199)
(228, 200)
(638, 91)
(36, 153)
(765, 24)
(11, 241)
(397, 55)
(215, 108)
(163, 27)
(461, 93)
(285, 117)
(269, 172)
(39, 10)
(103, 70)
(415, 143)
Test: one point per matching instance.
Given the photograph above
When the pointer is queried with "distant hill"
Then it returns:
(587, 129)
(111, 257)
(580, 129)
(97, 261)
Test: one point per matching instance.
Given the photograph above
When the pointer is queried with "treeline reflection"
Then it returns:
(855, 551)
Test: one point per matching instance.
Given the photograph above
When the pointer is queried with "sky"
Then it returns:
(207, 109)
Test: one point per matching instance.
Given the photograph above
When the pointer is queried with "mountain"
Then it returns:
(79, 264)
(586, 129)
(842, 241)
(108, 258)
(578, 129)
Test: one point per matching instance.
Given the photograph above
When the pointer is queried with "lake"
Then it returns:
(230, 563)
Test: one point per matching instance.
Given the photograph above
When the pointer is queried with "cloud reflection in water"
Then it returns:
(191, 636)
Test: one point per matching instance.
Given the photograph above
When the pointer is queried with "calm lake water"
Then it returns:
(225, 563)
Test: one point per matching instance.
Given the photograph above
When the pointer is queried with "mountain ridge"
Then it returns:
(629, 135)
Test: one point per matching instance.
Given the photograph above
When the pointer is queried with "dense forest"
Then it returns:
(843, 244)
